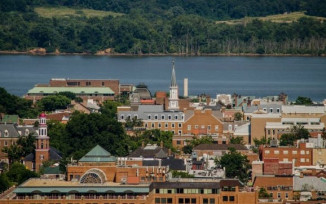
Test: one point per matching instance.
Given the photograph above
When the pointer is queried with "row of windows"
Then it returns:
(271, 110)
(166, 125)
(5, 143)
(302, 152)
(186, 191)
(202, 127)
(155, 117)
(228, 198)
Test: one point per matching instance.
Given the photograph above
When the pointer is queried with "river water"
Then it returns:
(259, 76)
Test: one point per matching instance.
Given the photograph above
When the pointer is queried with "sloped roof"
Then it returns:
(220, 147)
(55, 155)
(155, 152)
(98, 154)
(9, 129)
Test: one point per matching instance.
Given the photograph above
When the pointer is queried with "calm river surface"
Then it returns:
(260, 76)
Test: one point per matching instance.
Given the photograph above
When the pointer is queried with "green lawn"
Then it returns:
(49, 12)
(279, 18)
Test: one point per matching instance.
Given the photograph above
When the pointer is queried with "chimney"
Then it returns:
(185, 87)
(161, 144)
(170, 152)
(208, 100)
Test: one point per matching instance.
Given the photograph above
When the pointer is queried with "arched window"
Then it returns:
(93, 176)
(6, 133)
(26, 132)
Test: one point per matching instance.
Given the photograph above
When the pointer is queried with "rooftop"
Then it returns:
(76, 90)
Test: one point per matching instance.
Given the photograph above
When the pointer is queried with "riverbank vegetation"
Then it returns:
(162, 27)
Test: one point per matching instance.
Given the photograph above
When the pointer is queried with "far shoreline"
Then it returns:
(159, 54)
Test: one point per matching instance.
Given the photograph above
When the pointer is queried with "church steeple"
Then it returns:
(173, 78)
(174, 96)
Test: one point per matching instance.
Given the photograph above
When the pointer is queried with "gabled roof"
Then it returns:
(98, 154)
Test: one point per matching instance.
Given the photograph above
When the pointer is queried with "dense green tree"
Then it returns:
(301, 100)
(109, 108)
(236, 165)
(263, 193)
(18, 173)
(287, 139)
(238, 116)
(51, 103)
(24, 146)
(11, 104)
(236, 140)
(4, 182)
(68, 94)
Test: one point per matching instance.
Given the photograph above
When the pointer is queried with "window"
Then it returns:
(286, 159)
(166, 125)
(149, 117)
(122, 117)
(176, 117)
(266, 151)
(88, 83)
(294, 152)
(196, 126)
(153, 125)
(212, 201)
(208, 127)
(102, 83)
(307, 152)
(230, 127)
(302, 152)
(271, 110)
(159, 125)
(6, 143)
(146, 125)
(278, 195)
(203, 126)
(307, 160)
(41, 156)
(155, 117)
(216, 127)
(225, 198)
(231, 198)
(189, 127)
(179, 132)
(285, 152)
(205, 201)
(276, 152)
(169, 117)
(286, 195)
(162, 117)
(180, 125)
(180, 200)
(273, 132)
(278, 110)
(6, 133)
(172, 125)
(268, 132)
(265, 109)
(178, 142)
(302, 160)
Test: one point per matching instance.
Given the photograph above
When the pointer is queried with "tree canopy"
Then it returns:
(236, 165)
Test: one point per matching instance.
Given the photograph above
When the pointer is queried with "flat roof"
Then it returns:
(76, 90)
(60, 186)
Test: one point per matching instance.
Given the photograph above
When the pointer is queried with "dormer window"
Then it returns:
(163, 117)
(149, 117)
(169, 117)
(26, 132)
(176, 117)
(6, 133)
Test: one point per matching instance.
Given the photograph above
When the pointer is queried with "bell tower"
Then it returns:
(174, 95)
(42, 150)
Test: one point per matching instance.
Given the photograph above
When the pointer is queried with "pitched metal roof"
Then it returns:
(98, 154)
(76, 90)
(146, 152)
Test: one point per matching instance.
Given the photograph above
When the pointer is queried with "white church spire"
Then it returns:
(174, 95)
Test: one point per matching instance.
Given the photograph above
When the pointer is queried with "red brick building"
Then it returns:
(300, 155)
